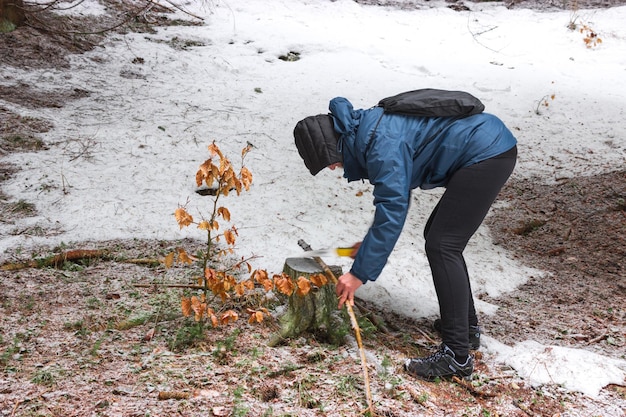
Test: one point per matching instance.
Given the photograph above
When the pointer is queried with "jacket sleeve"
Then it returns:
(389, 166)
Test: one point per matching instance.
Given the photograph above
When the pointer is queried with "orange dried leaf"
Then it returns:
(304, 286)
(256, 316)
(284, 284)
(186, 306)
(169, 260)
(230, 237)
(240, 289)
(246, 178)
(215, 150)
(259, 275)
(229, 316)
(205, 173)
(210, 274)
(319, 280)
(212, 317)
(223, 211)
(204, 225)
(198, 308)
(259, 316)
(182, 217)
(184, 258)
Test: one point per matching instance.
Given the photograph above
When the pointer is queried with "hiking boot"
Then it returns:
(474, 334)
(440, 364)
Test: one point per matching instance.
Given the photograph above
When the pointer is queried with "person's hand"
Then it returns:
(346, 286)
(355, 249)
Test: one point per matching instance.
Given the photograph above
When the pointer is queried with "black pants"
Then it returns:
(462, 208)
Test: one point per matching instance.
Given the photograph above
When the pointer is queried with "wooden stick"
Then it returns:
(468, 386)
(57, 261)
(355, 326)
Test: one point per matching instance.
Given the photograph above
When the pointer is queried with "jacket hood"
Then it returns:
(347, 123)
(317, 142)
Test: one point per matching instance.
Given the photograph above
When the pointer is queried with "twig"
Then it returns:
(143, 261)
(472, 389)
(430, 339)
(190, 286)
(522, 407)
(183, 10)
(355, 326)
(17, 404)
(476, 35)
(597, 339)
(377, 321)
(130, 17)
(415, 395)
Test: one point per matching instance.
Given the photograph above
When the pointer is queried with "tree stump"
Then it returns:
(314, 313)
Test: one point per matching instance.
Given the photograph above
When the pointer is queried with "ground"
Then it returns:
(89, 338)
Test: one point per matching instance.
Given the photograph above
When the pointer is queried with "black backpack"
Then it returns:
(431, 102)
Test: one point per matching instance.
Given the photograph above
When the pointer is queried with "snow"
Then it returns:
(126, 156)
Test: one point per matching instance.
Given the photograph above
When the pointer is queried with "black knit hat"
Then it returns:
(316, 141)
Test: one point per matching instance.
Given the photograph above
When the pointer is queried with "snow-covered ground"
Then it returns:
(127, 154)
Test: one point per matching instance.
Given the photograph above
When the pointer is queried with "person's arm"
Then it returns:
(389, 165)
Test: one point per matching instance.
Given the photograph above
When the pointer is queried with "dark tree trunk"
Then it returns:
(11, 14)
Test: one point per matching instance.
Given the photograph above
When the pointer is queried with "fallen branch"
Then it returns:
(522, 407)
(418, 397)
(190, 286)
(173, 395)
(57, 261)
(75, 255)
(472, 389)
(430, 339)
(144, 261)
(377, 321)
(597, 339)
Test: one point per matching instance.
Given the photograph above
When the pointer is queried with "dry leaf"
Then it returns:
(319, 280)
(230, 237)
(229, 316)
(184, 258)
(304, 286)
(223, 211)
(186, 306)
(182, 217)
(169, 260)
(284, 284)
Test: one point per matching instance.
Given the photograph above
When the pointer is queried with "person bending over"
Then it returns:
(472, 157)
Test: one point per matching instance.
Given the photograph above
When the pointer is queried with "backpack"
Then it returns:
(430, 102)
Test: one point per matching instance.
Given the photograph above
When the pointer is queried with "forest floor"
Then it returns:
(87, 339)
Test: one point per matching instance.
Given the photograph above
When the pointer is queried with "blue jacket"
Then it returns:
(398, 153)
